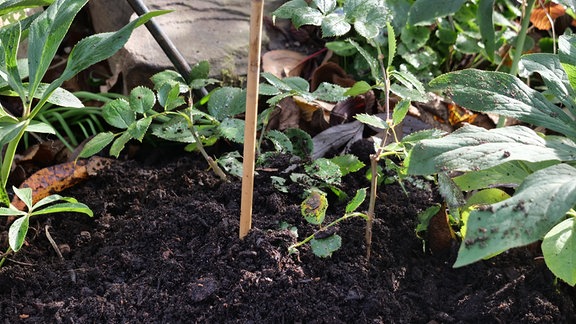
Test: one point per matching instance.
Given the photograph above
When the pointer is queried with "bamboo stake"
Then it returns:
(253, 80)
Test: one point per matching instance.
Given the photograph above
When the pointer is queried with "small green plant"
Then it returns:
(324, 241)
(179, 118)
(540, 168)
(48, 205)
(45, 33)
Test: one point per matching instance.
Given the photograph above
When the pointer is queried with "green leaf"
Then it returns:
(227, 102)
(50, 199)
(176, 129)
(170, 77)
(503, 94)
(360, 87)
(559, 250)
(540, 202)
(348, 163)
(414, 37)
(334, 25)
(473, 148)
(25, 194)
(356, 201)
(138, 129)
(65, 208)
(370, 59)
(119, 144)
(9, 131)
(289, 9)
(141, 99)
(200, 70)
(17, 233)
(325, 170)
(231, 163)
(9, 43)
(96, 144)
(232, 129)
(486, 25)
(509, 174)
(325, 247)
(280, 141)
(313, 208)
(553, 74)
(307, 16)
(373, 121)
(46, 33)
(11, 212)
(169, 96)
(9, 6)
(326, 6)
(118, 113)
(400, 111)
(96, 48)
(59, 96)
(341, 48)
(391, 43)
(329, 92)
(301, 141)
(424, 12)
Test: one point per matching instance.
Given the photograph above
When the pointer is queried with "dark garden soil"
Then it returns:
(163, 247)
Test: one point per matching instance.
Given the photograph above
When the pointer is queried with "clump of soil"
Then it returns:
(163, 247)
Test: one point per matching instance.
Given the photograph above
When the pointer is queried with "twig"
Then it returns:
(53, 243)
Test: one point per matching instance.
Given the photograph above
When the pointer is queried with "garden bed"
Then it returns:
(163, 247)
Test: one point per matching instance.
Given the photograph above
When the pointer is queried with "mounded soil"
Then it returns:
(163, 247)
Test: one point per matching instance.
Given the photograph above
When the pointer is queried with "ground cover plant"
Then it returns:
(163, 245)
(45, 33)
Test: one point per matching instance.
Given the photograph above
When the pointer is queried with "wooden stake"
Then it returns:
(253, 80)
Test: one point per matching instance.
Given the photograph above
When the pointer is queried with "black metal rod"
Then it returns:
(163, 40)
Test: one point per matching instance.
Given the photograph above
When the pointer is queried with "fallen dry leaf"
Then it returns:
(283, 63)
(58, 177)
(539, 17)
(440, 235)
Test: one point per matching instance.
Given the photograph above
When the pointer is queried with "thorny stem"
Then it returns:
(343, 218)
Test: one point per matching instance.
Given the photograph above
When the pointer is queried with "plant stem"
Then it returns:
(343, 218)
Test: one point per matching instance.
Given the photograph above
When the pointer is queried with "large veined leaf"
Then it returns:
(558, 248)
(540, 202)
(503, 94)
(567, 55)
(473, 148)
(553, 74)
(424, 12)
(46, 34)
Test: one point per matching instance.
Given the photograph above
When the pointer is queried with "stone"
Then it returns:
(213, 30)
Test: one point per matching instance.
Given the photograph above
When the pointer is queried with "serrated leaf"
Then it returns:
(231, 163)
(539, 203)
(306, 16)
(373, 121)
(372, 62)
(325, 247)
(118, 113)
(313, 208)
(96, 144)
(348, 163)
(325, 170)
(400, 111)
(119, 143)
(424, 12)
(473, 148)
(326, 6)
(360, 87)
(366, 29)
(301, 142)
(287, 10)
(141, 99)
(559, 250)
(138, 129)
(503, 94)
(176, 129)
(200, 70)
(334, 25)
(356, 201)
(391, 43)
(232, 129)
(169, 96)
(280, 141)
(17, 233)
(227, 102)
